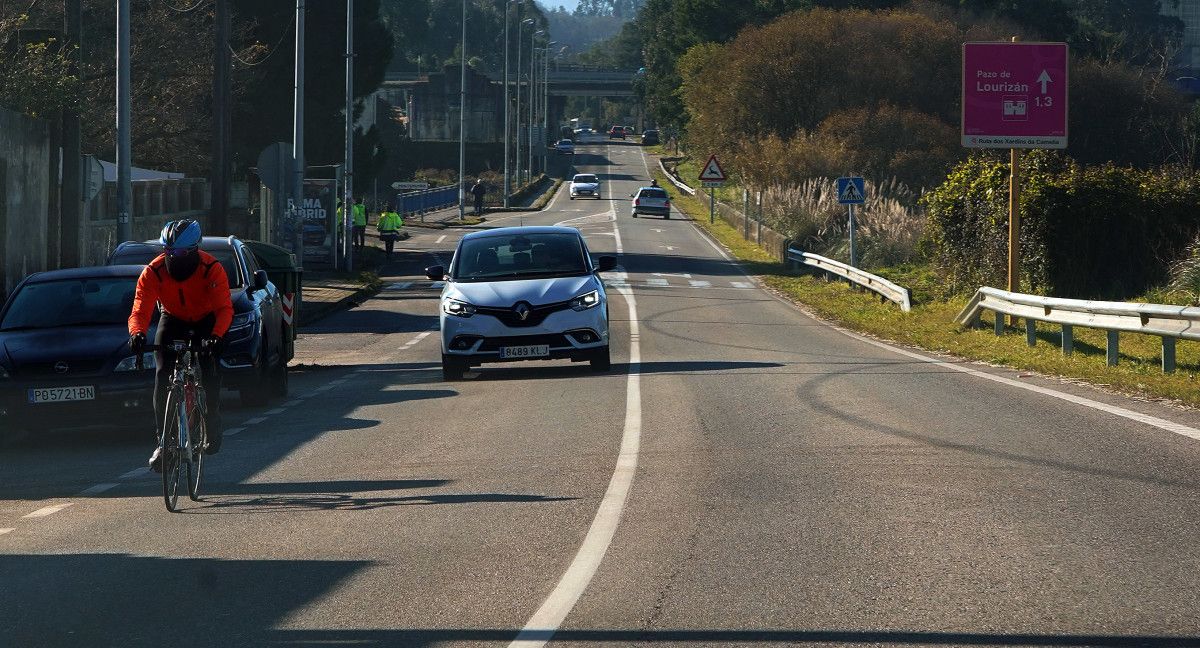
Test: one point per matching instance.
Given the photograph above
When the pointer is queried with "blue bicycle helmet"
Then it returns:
(180, 235)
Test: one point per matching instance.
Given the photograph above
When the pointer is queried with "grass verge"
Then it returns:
(931, 325)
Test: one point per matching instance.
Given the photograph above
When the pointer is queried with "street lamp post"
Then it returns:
(507, 117)
(546, 89)
(532, 102)
(517, 116)
(462, 119)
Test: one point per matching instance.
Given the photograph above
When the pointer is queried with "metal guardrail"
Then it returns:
(1168, 322)
(888, 290)
(678, 185)
(427, 200)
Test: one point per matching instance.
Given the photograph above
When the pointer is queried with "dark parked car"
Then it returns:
(64, 351)
(254, 360)
(650, 138)
(616, 132)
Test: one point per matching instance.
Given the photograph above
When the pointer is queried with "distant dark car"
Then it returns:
(64, 352)
(616, 132)
(254, 359)
(650, 138)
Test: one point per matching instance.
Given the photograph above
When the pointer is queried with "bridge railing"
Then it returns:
(427, 200)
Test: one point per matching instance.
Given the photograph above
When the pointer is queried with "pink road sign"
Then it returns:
(1014, 95)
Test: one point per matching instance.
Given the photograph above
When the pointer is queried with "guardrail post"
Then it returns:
(998, 323)
(1068, 339)
(1114, 348)
(1168, 354)
(1030, 332)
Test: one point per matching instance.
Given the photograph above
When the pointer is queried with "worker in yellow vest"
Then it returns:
(359, 229)
(389, 228)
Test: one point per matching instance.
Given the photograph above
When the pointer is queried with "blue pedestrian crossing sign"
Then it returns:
(851, 191)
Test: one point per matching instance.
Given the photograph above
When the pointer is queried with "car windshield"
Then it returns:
(142, 255)
(71, 302)
(586, 179)
(520, 256)
(565, 142)
(652, 193)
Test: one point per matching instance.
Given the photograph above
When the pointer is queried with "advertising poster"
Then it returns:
(315, 216)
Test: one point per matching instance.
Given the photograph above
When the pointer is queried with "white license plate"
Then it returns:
(532, 351)
(62, 394)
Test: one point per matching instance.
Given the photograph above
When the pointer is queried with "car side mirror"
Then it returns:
(606, 263)
(435, 273)
(260, 279)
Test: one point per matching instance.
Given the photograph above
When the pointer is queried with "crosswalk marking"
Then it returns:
(658, 283)
(697, 283)
(742, 284)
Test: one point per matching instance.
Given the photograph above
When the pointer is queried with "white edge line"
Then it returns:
(4, 531)
(549, 617)
(98, 488)
(47, 510)
(254, 421)
(234, 431)
(274, 412)
(136, 472)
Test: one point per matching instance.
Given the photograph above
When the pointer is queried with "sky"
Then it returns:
(552, 4)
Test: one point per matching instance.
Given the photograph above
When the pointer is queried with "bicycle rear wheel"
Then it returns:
(171, 460)
(197, 437)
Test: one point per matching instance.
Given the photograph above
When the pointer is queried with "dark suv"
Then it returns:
(254, 361)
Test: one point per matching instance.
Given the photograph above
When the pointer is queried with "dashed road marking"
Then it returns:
(47, 510)
(699, 283)
(98, 488)
(255, 421)
(274, 412)
(441, 238)
(742, 284)
(234, 431)
(136, 472)
(658, 283)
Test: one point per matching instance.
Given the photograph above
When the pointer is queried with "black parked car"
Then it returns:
(64, 351)
(650, 138)
(254, 360)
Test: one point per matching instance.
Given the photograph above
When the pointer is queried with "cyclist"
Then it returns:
(192, 291)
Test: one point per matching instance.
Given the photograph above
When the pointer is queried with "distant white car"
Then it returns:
(565, 146)
(523, 293)
(651, 200)
(585, 184)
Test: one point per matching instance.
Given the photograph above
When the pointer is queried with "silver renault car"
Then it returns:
(523, 293)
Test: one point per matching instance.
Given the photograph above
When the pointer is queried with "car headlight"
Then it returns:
(586, 301)
(241, 321)
(458, 308)
(130, 363)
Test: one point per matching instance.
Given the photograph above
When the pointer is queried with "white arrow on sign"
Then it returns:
(1043, 79)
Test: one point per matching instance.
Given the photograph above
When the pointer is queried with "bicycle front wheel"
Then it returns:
(171, 460)
(197, 437)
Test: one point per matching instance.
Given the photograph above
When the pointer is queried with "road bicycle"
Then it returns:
(184, 432)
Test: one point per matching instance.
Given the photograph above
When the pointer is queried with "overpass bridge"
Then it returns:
(566, 80)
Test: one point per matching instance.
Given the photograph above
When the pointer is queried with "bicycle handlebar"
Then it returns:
(177, 346)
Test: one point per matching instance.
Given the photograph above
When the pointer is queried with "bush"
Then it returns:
(1086, 232)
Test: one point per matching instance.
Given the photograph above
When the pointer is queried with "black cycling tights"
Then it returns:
(169, 329)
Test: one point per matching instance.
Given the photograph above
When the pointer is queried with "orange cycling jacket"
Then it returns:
(191, 300)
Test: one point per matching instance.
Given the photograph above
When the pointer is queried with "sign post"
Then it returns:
(1014, 96)
(852, 190)
(712, 176)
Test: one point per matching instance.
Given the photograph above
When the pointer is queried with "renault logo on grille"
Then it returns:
(522, 311)
(61, 367)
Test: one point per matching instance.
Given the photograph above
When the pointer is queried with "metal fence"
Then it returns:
(886, 289)
(1168, 322)
(423, 202)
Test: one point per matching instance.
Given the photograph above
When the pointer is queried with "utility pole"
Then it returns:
(71, 204)
(517, 116)
(124, 165)
(462, 119)
(532, 91)
(221, 176)
(507, 123)
(348, 197)
(298, 169)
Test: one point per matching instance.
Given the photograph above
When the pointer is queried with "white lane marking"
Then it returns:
(3, 531)
(742, 284)
(657, 283)
(255, 421)
(441, 238)
(339, 381)
(98, 488)
(403, 285)
(136, 472)
(670, 248)
(438, 284)
(48, 510)
(234, 431)
(682, 275)
(274, 412)
(697, 283)
(416, 340)
(546, 620)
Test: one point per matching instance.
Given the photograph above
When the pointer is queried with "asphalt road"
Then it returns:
(745, 475)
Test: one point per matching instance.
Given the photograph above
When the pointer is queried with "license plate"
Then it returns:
(62, 394)
(532, 351)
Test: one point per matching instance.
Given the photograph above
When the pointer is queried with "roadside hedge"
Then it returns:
(1092, 232)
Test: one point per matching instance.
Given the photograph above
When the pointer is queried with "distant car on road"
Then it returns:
(616, 132)
(64, 352)
(565, 146)
(254, 360)
(523, 293)
(650, 138)
(652, 201)
(585, 184)
(628, 130)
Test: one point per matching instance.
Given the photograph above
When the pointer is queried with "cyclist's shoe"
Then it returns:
(156, 460)
(214, 443)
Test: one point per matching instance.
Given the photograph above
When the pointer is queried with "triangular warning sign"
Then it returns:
(851, 193)
(712, 171)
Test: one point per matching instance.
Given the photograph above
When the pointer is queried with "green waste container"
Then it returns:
(282, 270)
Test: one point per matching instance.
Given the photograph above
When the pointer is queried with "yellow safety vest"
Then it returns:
(390, 222)
(359, 212)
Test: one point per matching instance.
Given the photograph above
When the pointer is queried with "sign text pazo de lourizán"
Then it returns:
(1014, 95)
